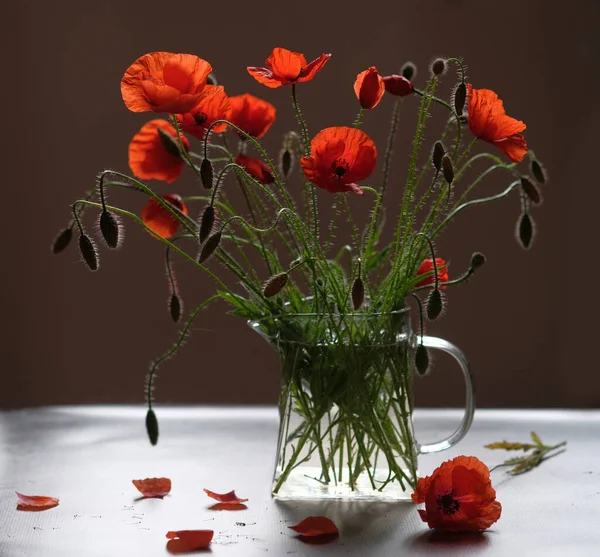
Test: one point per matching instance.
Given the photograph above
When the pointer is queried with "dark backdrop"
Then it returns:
(527, 321)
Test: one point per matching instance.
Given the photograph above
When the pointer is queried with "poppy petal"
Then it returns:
(514, 147)
(159, 219)
(369, 88)
(153, 487)
(251, 114)
(35, 502)
(213, 105)
(188, 540)
(315, 526)
(256, 168)
(265, 76)
(313, 68)
(285, 64)
(226, 498)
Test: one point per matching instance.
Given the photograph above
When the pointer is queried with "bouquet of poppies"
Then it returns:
(302, 270)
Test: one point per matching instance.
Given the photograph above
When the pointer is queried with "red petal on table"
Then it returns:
(315, 526)
(227, 498)
(188, 540)
(153, 487)
(35, 502)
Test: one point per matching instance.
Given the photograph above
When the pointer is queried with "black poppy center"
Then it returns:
(340, 167)
(200, 118)
(447, 504)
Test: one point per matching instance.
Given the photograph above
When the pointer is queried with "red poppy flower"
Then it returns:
(285, 67)
(251, 114)
(340, 158)
(159, 220)
(256, 168)
(153, 487)
(427, 267)
(488, 121)
(315, 526)
(398, 85)
(213, 105)
(184, 541)
(458, 496)
(225, 498)
(164, 82)
(35, 502)
(369, 88)
(153, 155)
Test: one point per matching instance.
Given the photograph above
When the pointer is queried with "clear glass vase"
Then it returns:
(346, 405)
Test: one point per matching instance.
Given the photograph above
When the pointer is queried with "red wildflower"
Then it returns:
(256, 168)
(398, 85)
(184, 541)
(153, 487)
(315, 526)
(164, 82)
(159, 220)
(427, 267)
(251, 114)
(285, 67)
(152, 154)
(213, 105)
(35, 502)
(369, 88)
(226, 498)
(458, 496)
(488, 121)
(340, 158)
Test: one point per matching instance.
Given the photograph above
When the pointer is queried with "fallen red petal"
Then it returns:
(153, 487)
(188, 540)
(35, 502)
(315, 526)
(226, 498)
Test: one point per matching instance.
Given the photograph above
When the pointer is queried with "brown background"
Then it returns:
(528, 321)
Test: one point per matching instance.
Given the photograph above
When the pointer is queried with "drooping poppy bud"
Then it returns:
(206, 173)
(175, 307)
(448, 169)
(275, 285)
(62, 240)
(525, 230)
(421, 359)
(212, 79)
(460, 97)
(152, 426)
(438, 155)
(409, 71)
(88, 252)
(169, 142)
(110, 228)
(538, 171)
(369, 88)
(530, 190)
(358, 293)
(477, 260)
(438, 66)
(212, 243)
(207, 222)
(286, 160)
(435, 304)
(398, 85)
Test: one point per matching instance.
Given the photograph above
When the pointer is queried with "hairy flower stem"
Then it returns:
(389, 149)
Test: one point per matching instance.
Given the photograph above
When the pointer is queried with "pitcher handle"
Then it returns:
(456, 353)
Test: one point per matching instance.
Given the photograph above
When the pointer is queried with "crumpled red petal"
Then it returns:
(35, 502)
(182, 541)
(153, 487)
(315, 526)
(226, 498)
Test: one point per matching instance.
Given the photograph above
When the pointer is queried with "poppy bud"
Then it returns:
(169, 142)
(525, 230)
(530, 190)
(421, 359)
(207, 222)
(358, 293)
(212, 79)
(275, 285)
(448, 169)
(369, 88)
(438, 66)
(408, 70)
(435, 304)
(152, 427)
(460, 97)
(438, 154)
(538, 171)
(477, 260)
(212, 243)
(319, 282)
(62, 241)
(286, 162)
(398, 85)
(175, 307)
(206, 173)
(109, 227)
(88, 252)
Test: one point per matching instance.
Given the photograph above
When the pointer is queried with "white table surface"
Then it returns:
(88, 455)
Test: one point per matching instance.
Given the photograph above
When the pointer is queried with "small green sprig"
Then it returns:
(525, 463)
